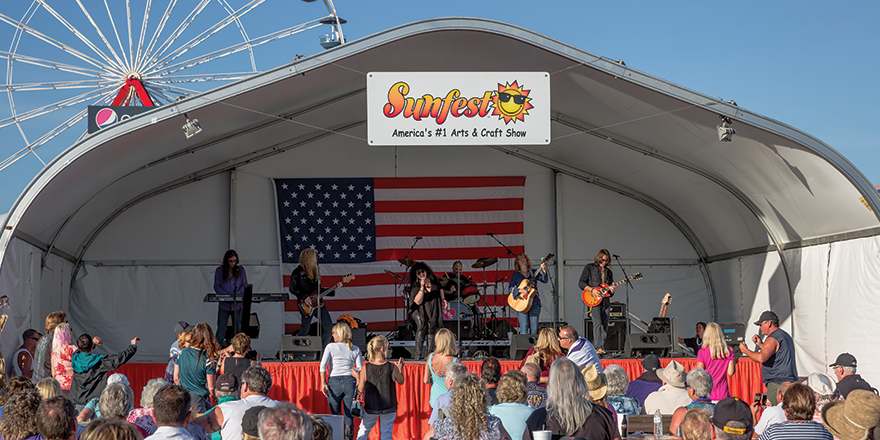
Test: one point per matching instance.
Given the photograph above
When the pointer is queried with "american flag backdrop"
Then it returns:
(363, 226)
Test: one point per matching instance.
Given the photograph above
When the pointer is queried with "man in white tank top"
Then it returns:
(226, 417)
(22, 363)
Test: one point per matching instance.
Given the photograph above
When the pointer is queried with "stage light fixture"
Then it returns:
(725, 131)
(192, 127)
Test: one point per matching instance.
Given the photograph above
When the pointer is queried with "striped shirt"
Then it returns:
(788, 430)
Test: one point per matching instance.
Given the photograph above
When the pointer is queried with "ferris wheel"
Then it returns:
(66, 57)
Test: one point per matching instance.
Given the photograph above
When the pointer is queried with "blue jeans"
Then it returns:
(528, 322)
(222, 324)
(342, 390)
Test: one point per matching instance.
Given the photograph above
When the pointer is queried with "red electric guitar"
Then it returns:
(593, 296)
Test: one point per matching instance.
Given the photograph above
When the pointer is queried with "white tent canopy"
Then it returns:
(125, 228)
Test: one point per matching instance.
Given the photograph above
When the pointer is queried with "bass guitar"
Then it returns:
(593, 296)
(318, 298)
(524, 302)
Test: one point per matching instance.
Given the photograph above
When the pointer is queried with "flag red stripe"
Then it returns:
(390, 302)
(447, 253)
(408, 206)
(446, 182)
(449, 229)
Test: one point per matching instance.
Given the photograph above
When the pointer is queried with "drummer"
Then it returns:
(457, 281)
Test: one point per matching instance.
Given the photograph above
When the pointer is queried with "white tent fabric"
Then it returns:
(143, 215)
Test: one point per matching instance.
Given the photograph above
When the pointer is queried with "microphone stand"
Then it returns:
(625, 276)
(405, 278)
(509, 254)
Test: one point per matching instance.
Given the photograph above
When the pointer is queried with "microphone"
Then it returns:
(419, 238)
(489, 233)
(615, 255)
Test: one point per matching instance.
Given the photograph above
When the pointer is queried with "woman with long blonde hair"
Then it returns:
(718, 359)
(545, 351)
(62, 352)
(376, 382)
(469, 418)
(304, 284)
(197, 365)
(444, 354)
(343, 357)
(528, 320)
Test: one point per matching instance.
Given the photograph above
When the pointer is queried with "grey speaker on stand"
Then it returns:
(300, 349)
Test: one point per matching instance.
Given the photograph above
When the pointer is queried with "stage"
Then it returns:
(298, 382)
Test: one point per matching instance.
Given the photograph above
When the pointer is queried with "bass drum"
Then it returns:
(457, 311)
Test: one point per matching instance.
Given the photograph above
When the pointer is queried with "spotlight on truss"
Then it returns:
(725, 131)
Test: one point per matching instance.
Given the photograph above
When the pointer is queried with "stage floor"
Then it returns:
(299, 382)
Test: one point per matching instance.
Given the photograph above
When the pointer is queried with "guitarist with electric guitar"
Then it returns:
(524, 296)
(304, 285)
(594, 275)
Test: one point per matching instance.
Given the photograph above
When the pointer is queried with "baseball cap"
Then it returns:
(251, 420)
(767, 316)
(732, 409)
(180, 327)
(844, 360)
(651, 362)
(227, 382)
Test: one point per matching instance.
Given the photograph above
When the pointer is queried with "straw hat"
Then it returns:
(595, 382)
(673, 374)
(852, 418)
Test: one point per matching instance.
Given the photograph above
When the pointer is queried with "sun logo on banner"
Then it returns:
(511, 102)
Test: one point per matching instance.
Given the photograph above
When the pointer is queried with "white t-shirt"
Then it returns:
(774, 414)
(343, 359)
(233, 413)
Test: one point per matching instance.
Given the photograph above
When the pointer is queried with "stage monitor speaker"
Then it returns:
(669, 326)
(615, 338)
(300, 348)
(639, 345)
(733, 335)
(520, 344)
(466, 329)
(252, 330)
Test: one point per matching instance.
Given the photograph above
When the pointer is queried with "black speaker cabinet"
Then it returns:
(467, 330)
(300, 348)
(639, 345)
(733, 335)
(520, 344)
(615, 337)
(359, 339)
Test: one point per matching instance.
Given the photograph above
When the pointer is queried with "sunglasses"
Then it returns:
(420, 271)
(517, 99)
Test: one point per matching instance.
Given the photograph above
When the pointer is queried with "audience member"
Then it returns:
(321, 430)
(699, 387)
(773, 414)
(490, 372)
(695, 343)
(568, 412)
(847, 379)
(284, 422)
(468, 416)
(237, 363)
(854, 418)
(92, 410)
(598, 390)
(250, 421)
(109, 429)
(536, 393)
(144, 416)
(672, 394)
(172, 407)
(580, 350)
(43, 351)
(182, 333)
(90, 369)
(512, 408)
(718, 359)
(444, 353)
(117, 399)
(732, 420)
(697, 425)
(226, 418)
(799, 404)
(824, 389)
(197, 365)
(618, 382)
(48, 388)
(56, 419)
(23, 360)
(647, 382)
(454, 372)
(376, 382)
(545, 351)
(19, 421)
(342, 356)
(62, 350)
(15, 385)
(227, 390)
(776, 354)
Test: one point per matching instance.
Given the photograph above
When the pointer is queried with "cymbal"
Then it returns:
(445, 282)
(406, 262)
(484, 262)
(394, 275)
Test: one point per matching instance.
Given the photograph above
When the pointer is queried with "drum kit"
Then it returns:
(463, 298)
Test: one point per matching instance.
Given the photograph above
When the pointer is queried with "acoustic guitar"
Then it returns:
(524, 302)
(593, 296)
(307, 310)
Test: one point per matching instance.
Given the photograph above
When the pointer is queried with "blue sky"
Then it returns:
(808, 64)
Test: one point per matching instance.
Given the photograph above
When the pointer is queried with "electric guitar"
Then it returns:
(593, 296)
(524, 302)
(664, 304)
(311, 311)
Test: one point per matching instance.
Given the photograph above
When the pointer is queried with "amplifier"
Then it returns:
(642, 344)
(615, 338)
(617, 310)
(520, 344)
(733, 335)
(300, 348)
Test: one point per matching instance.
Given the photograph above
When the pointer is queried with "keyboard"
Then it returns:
(257, 297)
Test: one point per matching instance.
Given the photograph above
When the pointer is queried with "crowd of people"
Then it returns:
(560, 386)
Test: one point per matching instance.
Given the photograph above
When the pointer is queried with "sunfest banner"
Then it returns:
(458, 108)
